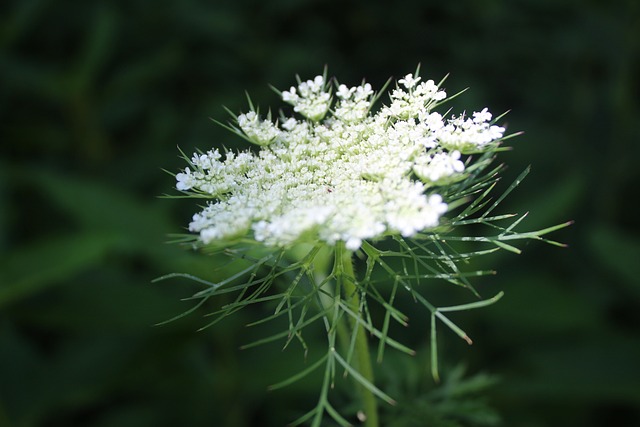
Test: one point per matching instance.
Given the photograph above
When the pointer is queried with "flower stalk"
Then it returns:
(361, 347)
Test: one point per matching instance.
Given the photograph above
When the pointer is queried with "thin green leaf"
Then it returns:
(434, 350)
(300, 374)
(363, 381)
(472, 305)
(515, 183)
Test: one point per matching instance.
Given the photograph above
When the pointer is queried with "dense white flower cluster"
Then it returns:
(345, 175)
(310, 99)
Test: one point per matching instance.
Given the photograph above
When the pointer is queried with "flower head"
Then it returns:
(337, 175)
(309, 99)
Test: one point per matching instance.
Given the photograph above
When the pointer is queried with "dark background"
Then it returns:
(96, 96)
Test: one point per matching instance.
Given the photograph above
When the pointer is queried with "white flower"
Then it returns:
(409, 81)
(430, 91)
(312, 102)
(289, 124)
(482, 116)
(354, 102)
(259, 132)
(345, 92)
(439, 168)
(290, 96)
(468, 135)
(186, 181)
(363, 92)
(345, 176)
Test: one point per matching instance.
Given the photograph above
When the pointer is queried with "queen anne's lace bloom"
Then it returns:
(345, 177)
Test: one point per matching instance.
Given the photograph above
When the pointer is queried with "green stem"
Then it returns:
(361, 349)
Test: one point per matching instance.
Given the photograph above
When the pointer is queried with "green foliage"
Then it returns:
(305, 292)
(94, 98)
(459, 401)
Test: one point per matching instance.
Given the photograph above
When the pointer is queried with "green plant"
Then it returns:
(405, 191)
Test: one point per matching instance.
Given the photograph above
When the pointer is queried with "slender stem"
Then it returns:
(361, 349)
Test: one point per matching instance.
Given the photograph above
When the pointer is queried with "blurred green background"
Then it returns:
(95, 97)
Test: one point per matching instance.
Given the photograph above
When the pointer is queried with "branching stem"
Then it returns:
(361, 349)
